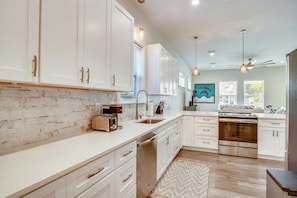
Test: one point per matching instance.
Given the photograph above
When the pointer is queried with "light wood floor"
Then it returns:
(231, 176)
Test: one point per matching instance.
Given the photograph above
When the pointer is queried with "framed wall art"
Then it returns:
(204, 93)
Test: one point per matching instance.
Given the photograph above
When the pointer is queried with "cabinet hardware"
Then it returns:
(113, 80)
(95, 173)
(88, 75)
(34, 65)
(82, 74)
(276, 133)
(275, 123)
(127, 178)
(125, 154)
(273, 133)
(206, 120)
(167, 142)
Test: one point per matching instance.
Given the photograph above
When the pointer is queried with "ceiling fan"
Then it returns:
(252, 64)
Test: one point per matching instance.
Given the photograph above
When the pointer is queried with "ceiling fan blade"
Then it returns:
(265, 62)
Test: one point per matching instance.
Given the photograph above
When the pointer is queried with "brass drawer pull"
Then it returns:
(88, 76)
(128, 153)
(93, 174)
(34, 65)
(82, 74)
(127, 178)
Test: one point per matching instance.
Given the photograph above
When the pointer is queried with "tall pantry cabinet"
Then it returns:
(77, 43)
(19, 34)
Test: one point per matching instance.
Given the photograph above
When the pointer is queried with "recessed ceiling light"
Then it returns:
(212, 65)
(282, 62)
(211, 52)
(195, 2)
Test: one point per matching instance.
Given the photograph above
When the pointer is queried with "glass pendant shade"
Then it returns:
(195, 71)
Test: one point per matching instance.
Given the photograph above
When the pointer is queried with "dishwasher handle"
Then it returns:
(147, 141)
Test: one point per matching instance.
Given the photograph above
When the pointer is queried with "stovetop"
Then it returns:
(237, 115)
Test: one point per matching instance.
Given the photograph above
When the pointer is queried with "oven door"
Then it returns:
(238, 130)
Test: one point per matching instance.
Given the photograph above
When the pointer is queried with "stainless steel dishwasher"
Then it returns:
(146, 164)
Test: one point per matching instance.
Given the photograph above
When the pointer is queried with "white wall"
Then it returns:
(274, 84)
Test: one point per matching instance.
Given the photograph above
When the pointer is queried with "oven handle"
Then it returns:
(249, 121)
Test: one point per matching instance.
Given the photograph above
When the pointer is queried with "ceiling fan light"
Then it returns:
(243, 69)
(195, 72)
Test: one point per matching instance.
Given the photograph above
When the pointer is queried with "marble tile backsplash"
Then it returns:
(31, 116)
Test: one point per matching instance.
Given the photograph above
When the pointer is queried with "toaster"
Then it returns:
(105, 122)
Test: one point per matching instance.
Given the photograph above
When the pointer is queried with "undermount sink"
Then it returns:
(150, 121)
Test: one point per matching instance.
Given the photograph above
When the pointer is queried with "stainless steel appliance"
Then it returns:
(105, 122)
(291, 109)
(146, 165)
(238, 134)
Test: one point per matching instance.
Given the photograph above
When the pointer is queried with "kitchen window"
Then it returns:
(138, 77)
(181, 79)
(228, 92)
(254, 93)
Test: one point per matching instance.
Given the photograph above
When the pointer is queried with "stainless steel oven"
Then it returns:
(238, 135)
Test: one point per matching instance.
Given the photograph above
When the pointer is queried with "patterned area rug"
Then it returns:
(184, 178)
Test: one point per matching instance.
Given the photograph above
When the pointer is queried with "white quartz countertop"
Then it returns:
(25, 170)
(271, 116)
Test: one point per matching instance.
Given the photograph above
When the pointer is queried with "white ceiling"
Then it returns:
(271, 29)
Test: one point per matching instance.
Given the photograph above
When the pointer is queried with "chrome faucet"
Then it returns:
(136, 115)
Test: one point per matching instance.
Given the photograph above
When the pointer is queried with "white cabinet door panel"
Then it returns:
(19, 21)
(58, 42)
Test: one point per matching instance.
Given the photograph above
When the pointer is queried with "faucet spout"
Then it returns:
(136, 114)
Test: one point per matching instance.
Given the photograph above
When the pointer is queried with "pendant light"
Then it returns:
(195, 71)
(243, 68)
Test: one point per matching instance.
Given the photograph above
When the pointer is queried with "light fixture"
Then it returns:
(141, 33)
(243, 68)
(195, 71)
(211, 52)
(141, 1)
(195, 2)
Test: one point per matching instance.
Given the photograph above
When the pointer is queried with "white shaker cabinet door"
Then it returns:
(19, 34)
(58, 42)
(121, 48)
(92, 42)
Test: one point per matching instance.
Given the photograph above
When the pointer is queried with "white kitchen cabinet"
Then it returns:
(271, 138)
(206, 132)
(59, 42)
(188, 128)
(92, 43)
(167, 145)
(19, 21)
(162, 72)
(121, 48)
(55, 189)
(125, 178)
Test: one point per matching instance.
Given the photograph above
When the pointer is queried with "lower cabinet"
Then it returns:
(271, 138)
(113, 175)
(54, 189)
(168, 145)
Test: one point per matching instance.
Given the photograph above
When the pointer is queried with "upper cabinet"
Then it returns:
(121, 52)
(162, 71)
(83, 43)
(19, 32)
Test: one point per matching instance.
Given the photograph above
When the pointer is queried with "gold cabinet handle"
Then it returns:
(128, 153)
(95, 173)
(113, 80)
(127, 178)
(82, 74)
(273, 133)
(88, 75)
(34, 65)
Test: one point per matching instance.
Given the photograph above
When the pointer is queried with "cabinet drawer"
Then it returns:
(84, 177)
(211, 120)
(125, 177)
(131, 193)
(125, 153)
(105, 188)
(210, 130)
(55, 189)
(206, 142)
(272, 123)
